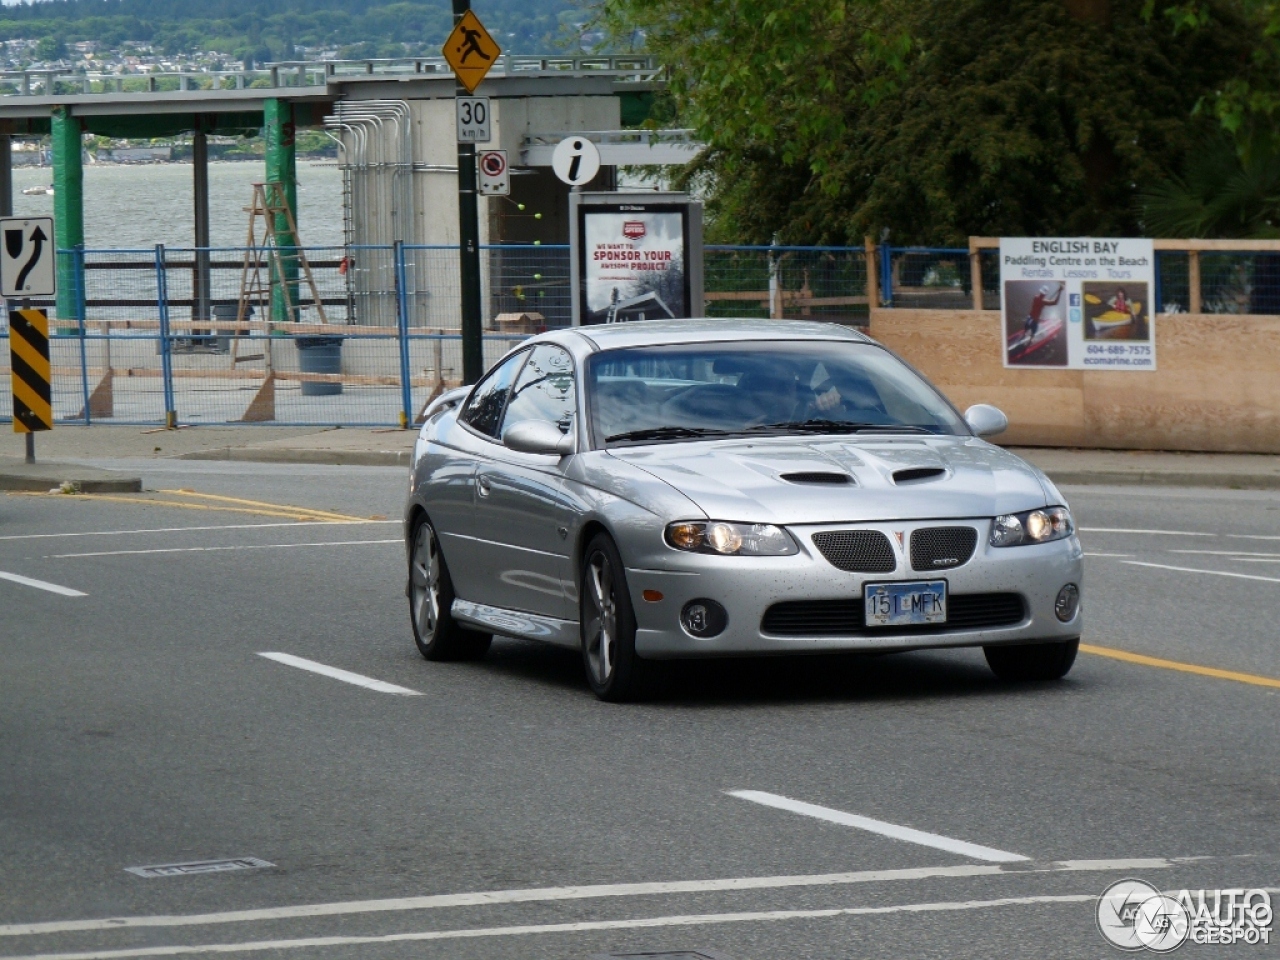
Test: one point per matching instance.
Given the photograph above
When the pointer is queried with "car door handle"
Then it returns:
(482, 486)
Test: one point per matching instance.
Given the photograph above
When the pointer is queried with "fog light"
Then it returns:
(703, 618)
(1068, 603)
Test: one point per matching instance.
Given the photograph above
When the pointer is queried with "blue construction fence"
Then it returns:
(940, 278)
(366, 337)
(371, 334)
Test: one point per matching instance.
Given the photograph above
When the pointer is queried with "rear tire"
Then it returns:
(437, 634)
(614, 670)
(1032, 661)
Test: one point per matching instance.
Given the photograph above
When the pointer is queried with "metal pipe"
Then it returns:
(6, 176)
(200, 277)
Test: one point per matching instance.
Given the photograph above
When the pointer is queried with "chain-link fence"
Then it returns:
(368, 335)
(930, 278)
(794, 283)
(1187, 281)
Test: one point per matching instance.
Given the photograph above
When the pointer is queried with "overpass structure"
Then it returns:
(394, 122)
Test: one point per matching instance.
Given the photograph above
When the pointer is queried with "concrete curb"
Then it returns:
(1172, 478)
(336, 458)
(43, 477)
(1101, 477)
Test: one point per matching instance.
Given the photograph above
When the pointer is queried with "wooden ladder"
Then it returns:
(269, 205)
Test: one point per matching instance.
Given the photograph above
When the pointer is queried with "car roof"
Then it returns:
(710, 330)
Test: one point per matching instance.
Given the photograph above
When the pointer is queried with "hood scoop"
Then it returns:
(816, 476)
(918, 475)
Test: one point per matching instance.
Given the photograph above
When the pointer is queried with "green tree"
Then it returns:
(936, 119)
(1247, 103)
(1219, 193)
(50, 48)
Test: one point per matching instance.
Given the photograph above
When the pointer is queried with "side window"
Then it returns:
(545, 390)
(484, 410)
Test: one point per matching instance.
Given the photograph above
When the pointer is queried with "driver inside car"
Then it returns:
(841, 397)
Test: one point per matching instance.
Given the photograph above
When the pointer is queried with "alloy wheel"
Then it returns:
(602, 618)
(425, 575)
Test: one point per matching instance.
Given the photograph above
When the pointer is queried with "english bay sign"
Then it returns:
(1080, 303)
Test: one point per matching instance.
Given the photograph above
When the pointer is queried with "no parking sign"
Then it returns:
(495, 175)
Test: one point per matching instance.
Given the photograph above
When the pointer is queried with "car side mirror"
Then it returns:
(986, 420)
(538, 436)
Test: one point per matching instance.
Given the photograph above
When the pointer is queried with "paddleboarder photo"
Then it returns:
(1035, 323)
(1116, 312)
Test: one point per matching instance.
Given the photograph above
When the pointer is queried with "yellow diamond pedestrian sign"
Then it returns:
(470, 51)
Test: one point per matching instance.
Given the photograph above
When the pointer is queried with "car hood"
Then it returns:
(743, 480)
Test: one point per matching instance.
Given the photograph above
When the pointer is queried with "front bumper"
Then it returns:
(748, 586)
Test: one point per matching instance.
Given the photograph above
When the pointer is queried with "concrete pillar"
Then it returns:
(68, 202)
(279, 134)
(200, 181)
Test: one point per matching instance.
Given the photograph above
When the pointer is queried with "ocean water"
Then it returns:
(138, 206)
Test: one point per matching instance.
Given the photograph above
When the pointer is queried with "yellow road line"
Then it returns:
(1127, 657)
(258, 503)
(177, 505)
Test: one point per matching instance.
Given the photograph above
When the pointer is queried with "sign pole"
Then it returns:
(28, 270)
(30, 437)
(468, 244)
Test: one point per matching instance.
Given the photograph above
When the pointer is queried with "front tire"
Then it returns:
(437, 634)
(614, 671)
(1020, 662)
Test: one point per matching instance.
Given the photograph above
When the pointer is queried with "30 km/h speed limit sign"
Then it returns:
(473, 119)
(495, 175)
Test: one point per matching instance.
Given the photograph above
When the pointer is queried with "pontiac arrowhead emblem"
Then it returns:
(898, 535)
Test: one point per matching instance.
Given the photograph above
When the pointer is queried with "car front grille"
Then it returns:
(941, 548)
(838, 618)
(857, 551)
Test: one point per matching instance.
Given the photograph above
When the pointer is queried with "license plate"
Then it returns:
(905, 604)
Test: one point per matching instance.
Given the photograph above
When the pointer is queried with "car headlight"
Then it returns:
(730, 539)
(1034, 526)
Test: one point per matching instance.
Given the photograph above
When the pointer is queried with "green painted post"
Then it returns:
(68, 204)
(282, 168)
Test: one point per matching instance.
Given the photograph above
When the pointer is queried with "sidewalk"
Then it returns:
(393, 448)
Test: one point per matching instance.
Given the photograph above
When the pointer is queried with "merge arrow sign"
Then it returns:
(27, 258)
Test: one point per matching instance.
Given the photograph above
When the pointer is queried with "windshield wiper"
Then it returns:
(835, 426)
(667, 433)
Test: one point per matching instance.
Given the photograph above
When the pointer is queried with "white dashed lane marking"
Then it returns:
(41, 585)
(1211, 573)
(346, 676)
(893, 830)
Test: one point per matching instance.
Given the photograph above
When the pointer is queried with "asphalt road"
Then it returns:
(141, 725)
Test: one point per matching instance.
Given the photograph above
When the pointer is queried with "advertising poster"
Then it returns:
(1082, 303)
(634, 265)
(635, 256)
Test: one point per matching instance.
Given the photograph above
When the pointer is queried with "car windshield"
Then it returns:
(678, 392)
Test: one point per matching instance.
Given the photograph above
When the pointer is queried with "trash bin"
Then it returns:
(229, 313)
(319, 355)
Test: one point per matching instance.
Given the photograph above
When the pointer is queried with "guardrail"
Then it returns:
(57, 79)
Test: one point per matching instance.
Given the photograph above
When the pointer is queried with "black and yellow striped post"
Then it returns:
(29, 361)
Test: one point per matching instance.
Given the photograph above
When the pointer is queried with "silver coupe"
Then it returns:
(706, 488)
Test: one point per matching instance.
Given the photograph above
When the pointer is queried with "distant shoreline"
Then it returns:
(182, 162)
